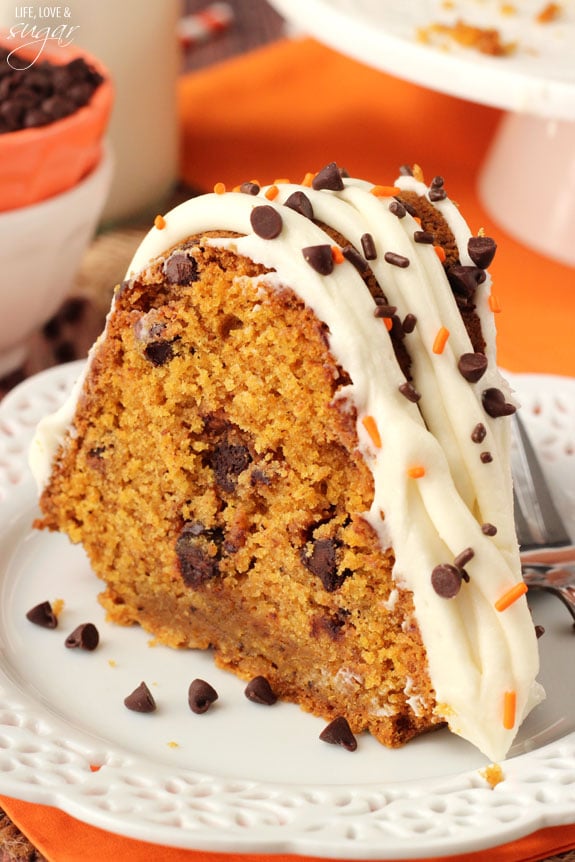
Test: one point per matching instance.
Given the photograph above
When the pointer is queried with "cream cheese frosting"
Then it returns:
(430, 481)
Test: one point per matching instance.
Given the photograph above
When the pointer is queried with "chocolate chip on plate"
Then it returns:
(84, 637)
(338, 732)
(141, 699)
(201, 695)
(259, 690)
(43, 615)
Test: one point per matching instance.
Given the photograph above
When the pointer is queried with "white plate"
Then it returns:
(538, 78)
(243, 777)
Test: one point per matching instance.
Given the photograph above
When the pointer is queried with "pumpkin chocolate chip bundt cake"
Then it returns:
(290, 445)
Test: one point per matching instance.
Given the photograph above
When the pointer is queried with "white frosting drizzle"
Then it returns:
(475, 653)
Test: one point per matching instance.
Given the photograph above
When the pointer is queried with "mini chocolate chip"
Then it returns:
(465, 279)
(486, 457)
(249, 188)
(201, 695)
(43, 615)
(463, 558)
(539, 631)
(368, 246)
(437, 182)
(479, 433)
(141, 699)
(328, 178)
(397, 208)
(259, 690)
(353, 256)
(338, 732)
(481, 250)
(437, 194)
(410, 392)
(181, 268)
(488, 529)
(300, 202)
(84, 637)
(384, 310)
(472, 366)
(266, 222)
(495, 405)
(409, 322)
(159, 352)
(396, 259)
(319, 258)
(446, 580)
(424, 236)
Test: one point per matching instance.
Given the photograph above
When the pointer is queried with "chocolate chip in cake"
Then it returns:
(397, 208)
(141, 699)
(410, 392)
(228, 460)
(258, 690)
(43, 615)
(479, 433)
(495, 405)
(486, 457)
(266, 221)
(322, 562)
(84, 637)
(201, 695)
(250, 188)
(396, 259)
(424, 236)
(181, 268)
(464, 280)
(488, 529)
(159, 352)
(368, 246)
(446, 580)
(197, 565)
(354, 257)
(472, 366)
(338, 732)
(319, 258)
(408, 324)
(328, 178)
(481, 250)
(300, 203)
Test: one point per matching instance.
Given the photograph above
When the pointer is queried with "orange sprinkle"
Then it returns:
(94, 767)
(440, 340)
(550, 12)
(236, 188)
(509, 707)
(385, 191)
(160, 222)
(272, 193)
(282, 181)
(416, 472)
(370, 426)
(337, 254)
(417, 219)
(308, 179)
(418, 173)
(440, 252)
(220, 188)
(511, 596)
(388, 323)
(494, 304)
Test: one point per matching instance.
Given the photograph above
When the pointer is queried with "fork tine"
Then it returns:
(537, 520)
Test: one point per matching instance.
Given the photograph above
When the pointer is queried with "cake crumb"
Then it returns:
(112, 662)
(58, 606)
(485, 40)
(493, 774)
(173, 744)
(549, 12)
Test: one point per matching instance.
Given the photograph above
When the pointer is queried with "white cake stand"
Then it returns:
(527, 182)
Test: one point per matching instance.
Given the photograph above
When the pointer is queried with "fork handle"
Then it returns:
(549, 556)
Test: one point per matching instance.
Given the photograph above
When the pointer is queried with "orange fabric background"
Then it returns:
(282, 111)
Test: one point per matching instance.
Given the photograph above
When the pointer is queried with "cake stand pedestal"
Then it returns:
(527, 182)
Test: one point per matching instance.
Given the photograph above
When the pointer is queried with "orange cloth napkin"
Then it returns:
(291, 108)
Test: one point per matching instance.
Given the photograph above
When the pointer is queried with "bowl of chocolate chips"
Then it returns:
(55, 175)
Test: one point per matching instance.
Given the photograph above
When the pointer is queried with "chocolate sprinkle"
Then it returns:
(410, 392)
(328, 178)
(488, 529)
(463, 558)
(354, 257)
(319, 258)
(396, 259)
(397, 208)
(495, 405)
(481, 250)
(201, 695)
(409, 322)
(43, 615)
(486, 457)
(406, 171)
(384, 310)
(250, 188)
(479, 433)
(338, 732)
(266, 222)
(424, 236)
(446, 580)
(141, 699)
(368, 246)
(84, 637)
(258, 690)
(472, 366)
(181, 268)
(437, 194)
(437, 182)
(300, 202)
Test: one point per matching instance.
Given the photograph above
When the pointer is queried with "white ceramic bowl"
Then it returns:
(41, 248)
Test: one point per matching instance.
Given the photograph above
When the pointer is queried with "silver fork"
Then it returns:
(547, 551)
